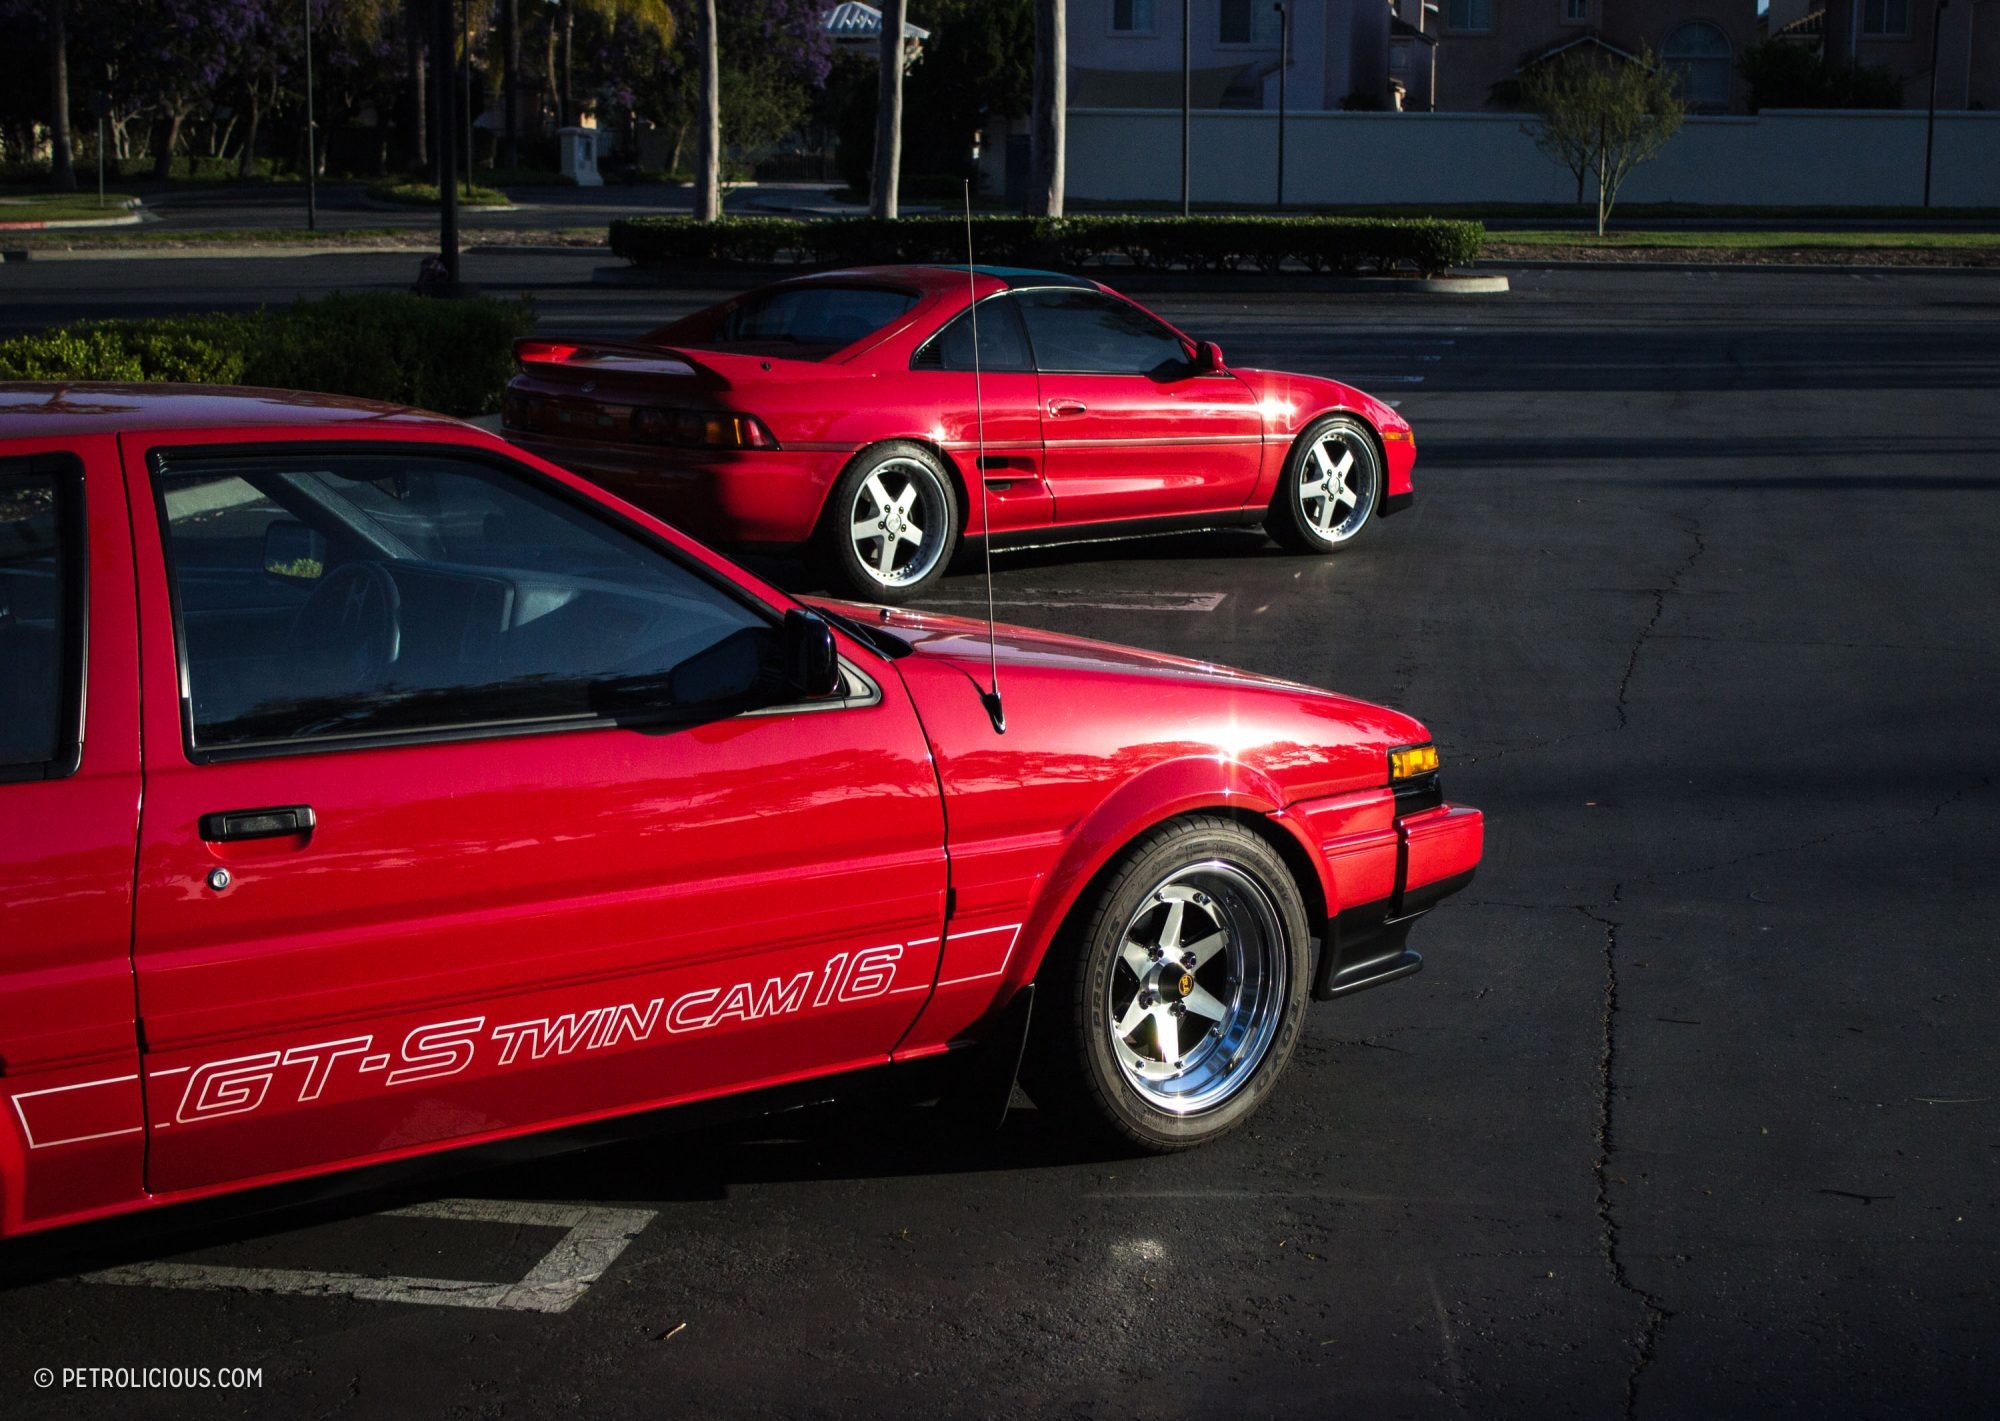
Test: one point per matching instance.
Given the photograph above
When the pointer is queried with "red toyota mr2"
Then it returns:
(369, 787)
(838, 414)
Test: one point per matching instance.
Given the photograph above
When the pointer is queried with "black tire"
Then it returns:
(1341, 453)
(1081, 1071)
(852, 564)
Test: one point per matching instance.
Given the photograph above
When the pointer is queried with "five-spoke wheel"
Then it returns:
(1168, 1015)
(1331, 487)
(891, 524)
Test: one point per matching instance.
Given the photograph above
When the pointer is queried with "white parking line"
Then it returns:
(592, 1244)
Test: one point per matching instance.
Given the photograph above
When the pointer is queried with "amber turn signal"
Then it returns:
(1411, 761)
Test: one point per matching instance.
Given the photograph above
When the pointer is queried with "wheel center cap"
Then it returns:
(1174, 984)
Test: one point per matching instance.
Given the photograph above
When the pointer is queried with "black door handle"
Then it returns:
(231, 824)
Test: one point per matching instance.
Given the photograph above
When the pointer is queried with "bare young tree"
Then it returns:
(1045, 143)
(889, 111)
(708, 129)
(1601, 116)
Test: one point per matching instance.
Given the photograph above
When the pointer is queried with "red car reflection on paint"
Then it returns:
(837, 414)
(372, 788)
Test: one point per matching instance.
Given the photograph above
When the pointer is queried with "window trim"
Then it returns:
(861, 690)
(1572, 19)
(73, 552)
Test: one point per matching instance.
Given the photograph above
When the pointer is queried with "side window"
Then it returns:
(321, 595)
(41, 616)
(1086, 331)
(1003, 341)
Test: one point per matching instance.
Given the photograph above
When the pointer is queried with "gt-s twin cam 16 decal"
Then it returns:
(434, 1050)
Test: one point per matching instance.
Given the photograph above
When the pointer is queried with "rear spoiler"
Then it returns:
(623, 357)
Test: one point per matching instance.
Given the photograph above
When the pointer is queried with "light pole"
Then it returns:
(1930, 122)
(1284, 63)
(312, 148)
(1187, 93)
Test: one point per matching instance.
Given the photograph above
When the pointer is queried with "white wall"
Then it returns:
(1789, 158)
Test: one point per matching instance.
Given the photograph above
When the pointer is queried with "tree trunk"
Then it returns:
(247, 159)
(62, 160)
(1045, 188)
(416, 155)
(170, 137)
(708, 134)
(510, 89)
(549, 65)
(568, 67)
(889, 111)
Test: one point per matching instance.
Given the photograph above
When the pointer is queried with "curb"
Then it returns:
(1788, 268)
(216, 251)
(373, 204)
(1478, 284)
(130, 219)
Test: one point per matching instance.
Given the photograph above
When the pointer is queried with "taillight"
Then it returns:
(701, 429)
(543, 352)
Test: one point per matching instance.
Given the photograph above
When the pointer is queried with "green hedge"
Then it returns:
(1325, 244)
(451, 356)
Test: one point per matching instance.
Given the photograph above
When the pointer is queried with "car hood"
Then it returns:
(1098, 707)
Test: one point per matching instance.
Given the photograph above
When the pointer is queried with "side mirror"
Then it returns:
(293, 552)
(1208, 358)
(807, 658)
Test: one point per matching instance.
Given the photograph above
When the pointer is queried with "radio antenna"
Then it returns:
(990, 698)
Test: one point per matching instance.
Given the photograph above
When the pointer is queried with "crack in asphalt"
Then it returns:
(1657, 1312)
(1931, 816)
(1673, 584)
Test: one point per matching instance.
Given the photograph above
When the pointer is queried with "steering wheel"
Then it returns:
(349, 632)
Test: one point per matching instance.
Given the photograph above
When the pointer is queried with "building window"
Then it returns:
(1576, 12)
(1248, 22)
(1885, 17)
(1699, 55)
(1132, 17)
(1469, 14)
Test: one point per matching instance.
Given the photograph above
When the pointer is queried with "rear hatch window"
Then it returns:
(807, 322)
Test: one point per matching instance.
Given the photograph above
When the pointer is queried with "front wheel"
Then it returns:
(1332, 484)
(891, 525)
(1173, 1010)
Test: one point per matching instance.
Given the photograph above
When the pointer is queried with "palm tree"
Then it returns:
(1045, 143)
(708, 134)
(62, 165)
(889, 111)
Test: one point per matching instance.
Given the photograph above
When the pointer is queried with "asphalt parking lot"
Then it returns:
(1694, 1110)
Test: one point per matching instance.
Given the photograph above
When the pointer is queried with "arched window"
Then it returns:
(1698, 53)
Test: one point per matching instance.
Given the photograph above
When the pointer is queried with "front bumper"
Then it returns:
(1437, 853)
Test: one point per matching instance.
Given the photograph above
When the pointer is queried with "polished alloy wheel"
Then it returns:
(1337, 483)
(1198, 989)
(897, 522)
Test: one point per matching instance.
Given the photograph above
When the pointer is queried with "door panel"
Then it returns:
(482, 935)
(71, 1138)
(1128, 430)
(995, 424)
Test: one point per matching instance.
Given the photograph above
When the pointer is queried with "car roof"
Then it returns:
(31, 409)
(932, 277)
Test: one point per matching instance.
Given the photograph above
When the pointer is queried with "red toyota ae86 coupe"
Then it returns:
(838, 414)
(369, 787)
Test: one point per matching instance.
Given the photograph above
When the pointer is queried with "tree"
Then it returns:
(62, 159)
(1045, 144)
(708, 131)
(1602, 116)
(889, 110)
